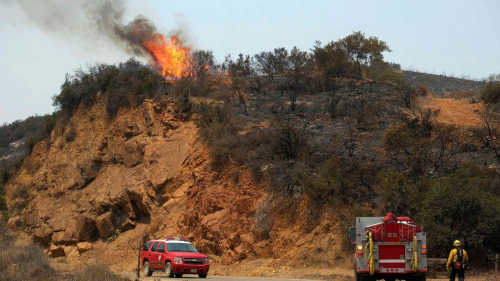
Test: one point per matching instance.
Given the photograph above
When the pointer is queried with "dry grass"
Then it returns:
(98, 272)
(25, 263)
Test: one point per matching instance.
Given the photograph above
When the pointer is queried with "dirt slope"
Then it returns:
(451, 111)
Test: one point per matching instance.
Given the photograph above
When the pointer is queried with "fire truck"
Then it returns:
(389, 248)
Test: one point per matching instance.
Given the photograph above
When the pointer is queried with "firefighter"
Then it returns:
(456, 261)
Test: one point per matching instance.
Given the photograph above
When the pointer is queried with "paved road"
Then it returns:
(212, 278)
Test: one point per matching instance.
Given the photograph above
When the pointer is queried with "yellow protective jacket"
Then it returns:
(453, 257)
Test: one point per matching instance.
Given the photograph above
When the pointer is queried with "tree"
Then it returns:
(299, 63)
(264, 62)
(422, 143)
(332, 60)
(238, 70)
(202, 60)
(362, 50)
(492, 131)
(281, 63)
(462, 206)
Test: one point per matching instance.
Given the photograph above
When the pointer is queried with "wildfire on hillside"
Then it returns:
(173, 59)
(168, 53)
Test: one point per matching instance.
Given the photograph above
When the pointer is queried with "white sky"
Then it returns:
(454, 37)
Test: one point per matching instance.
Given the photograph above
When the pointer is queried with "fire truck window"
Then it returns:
(161, 248)
(146, 246)
(389, 234)
(155, 246)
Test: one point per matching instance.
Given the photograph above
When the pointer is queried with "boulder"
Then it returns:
(130, 154)
(84, 228)
(63, 238)
(104, 224)
(234, 240)
(15, 222)
(83, 247)
(128, 225)
(43, 234)
(56, 251)
(71, 251)
(153, 130)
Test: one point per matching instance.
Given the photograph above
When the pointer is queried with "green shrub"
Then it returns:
(491, 93)
(463, 206)
(124, 85)
(391, 76)
(325, 185)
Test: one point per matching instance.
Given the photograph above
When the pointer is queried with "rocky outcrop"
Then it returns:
(143, 174)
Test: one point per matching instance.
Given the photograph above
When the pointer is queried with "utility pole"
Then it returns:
(496, 265)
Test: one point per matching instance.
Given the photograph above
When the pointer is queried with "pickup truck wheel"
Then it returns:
(147, 270)
(168, 270)
(202, 275)
(178, 275)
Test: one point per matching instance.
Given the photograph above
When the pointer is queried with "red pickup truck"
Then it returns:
(175, 256)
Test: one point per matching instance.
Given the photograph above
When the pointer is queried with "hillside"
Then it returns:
(260, 162)
(148, 172)
(443, 85)
(145, 172)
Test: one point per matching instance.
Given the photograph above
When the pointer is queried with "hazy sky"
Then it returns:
(41, 41)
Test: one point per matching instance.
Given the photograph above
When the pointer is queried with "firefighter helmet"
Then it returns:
(457, 243)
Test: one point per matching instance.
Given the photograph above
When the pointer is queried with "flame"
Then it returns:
(173, 59)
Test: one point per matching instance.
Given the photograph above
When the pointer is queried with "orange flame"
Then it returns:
(172, 57)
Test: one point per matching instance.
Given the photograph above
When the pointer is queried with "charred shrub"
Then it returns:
(219, 129)
(70, 134)
(183, 104)
(263, 220)
(422, 90)
(3, 204)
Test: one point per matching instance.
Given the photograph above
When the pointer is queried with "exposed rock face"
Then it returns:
(145, 172)
(43, 234)
(85, 228)
(104, 225)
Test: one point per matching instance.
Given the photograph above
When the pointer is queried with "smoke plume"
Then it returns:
(88, 22)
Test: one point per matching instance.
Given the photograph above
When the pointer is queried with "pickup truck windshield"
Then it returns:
(180, 247)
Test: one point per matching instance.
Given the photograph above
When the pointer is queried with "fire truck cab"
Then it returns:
(389, 248)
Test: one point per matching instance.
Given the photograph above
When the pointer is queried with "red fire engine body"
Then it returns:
(389, 248)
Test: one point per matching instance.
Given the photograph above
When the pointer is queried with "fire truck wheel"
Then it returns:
(168, 270)
(147, 270)
(361, 277)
